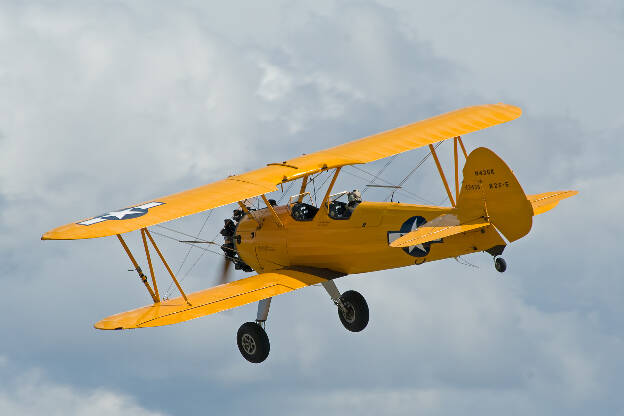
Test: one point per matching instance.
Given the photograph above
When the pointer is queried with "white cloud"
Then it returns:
(275, 83)
(29, 393)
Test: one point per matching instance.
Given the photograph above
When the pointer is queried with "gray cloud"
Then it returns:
(29, 392)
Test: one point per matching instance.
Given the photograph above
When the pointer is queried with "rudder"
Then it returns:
(491, 190)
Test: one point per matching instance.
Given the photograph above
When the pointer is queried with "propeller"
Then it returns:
(228, 249)
(225, 271)
(198, 242)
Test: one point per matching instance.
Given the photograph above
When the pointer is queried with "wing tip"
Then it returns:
(512, 109)
(108, 325)
(52, 235)
(549, 201)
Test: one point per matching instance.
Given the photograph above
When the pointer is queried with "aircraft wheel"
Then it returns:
(253, 342)
(354, 317)
(500, 264)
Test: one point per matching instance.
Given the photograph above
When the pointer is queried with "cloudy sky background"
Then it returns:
(104, 104)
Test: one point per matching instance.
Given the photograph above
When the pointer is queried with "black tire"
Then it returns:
(253, 342)
(500, 264)
(356, 317)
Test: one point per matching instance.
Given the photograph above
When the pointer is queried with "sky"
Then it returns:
(105, 104)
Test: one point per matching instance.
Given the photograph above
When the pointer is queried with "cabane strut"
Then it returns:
(456, 140)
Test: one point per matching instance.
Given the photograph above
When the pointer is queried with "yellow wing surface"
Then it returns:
(213, 300)
(264, 180)
(547, 201)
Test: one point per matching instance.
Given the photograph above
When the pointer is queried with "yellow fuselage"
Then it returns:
(355, 245)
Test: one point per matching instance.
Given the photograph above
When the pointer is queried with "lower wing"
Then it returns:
(217, 299)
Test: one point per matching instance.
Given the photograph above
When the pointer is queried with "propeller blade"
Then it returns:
(225, 272)
(198, 242)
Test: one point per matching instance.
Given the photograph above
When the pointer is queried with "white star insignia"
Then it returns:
(120, 214)
(418, 246)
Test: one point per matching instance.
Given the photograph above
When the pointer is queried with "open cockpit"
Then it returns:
(337, 209)
(300, 210)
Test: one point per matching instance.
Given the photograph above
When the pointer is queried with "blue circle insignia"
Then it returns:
(412, 224)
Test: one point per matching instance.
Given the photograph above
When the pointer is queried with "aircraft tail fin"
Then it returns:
(491, 191)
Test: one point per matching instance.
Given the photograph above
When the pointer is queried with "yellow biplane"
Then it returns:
(300, 244)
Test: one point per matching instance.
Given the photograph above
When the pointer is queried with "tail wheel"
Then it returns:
(500, 264)
(353, 311)
(253, 342)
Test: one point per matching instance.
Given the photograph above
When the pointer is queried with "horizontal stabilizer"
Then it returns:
(547, 201)
(439, 227)
(213, 300)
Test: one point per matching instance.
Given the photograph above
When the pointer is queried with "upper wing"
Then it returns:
(213, 300)
(421, 133)
(162, 209)
(439, 227)
(264, 180)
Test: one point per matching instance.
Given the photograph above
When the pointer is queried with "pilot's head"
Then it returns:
(354, 196)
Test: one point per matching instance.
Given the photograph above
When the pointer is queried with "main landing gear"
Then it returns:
(352, 307)
(253, 341)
